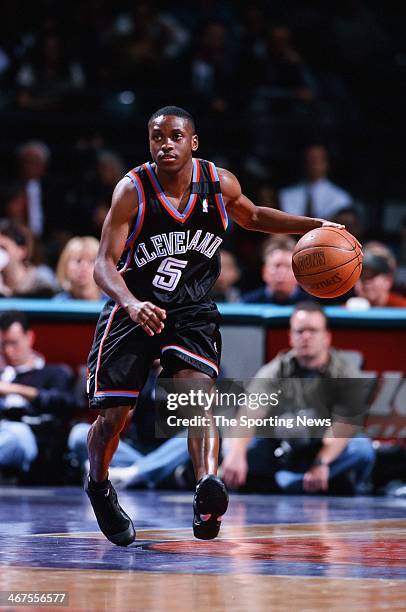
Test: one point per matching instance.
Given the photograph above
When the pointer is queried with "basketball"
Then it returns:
(327, 262)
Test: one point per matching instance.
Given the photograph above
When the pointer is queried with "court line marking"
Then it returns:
(399, 582)
(318, 532)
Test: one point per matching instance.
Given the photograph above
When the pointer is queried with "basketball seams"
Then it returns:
(332, 293)
(328, 269)
(319, 268)
(339, 233)
(324, 246)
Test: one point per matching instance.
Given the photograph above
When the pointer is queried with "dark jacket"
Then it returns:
(55, 385)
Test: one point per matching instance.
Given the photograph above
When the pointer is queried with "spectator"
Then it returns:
(210, 68)
(145, 42)
(379, 248)
(75, 270)
(39, 212)
(224, 289)
(18, 277)
(351, 218)
(401, 256)
(14, 204)
(31, 391)
(89, 208)
(316, 464)
(281, 287)
(375, 283)
(317, 196)
(49, 73)
(129, 466)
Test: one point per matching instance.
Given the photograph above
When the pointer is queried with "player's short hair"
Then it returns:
(9, 317)
(176, 111)
(309, 307)
(277, 243)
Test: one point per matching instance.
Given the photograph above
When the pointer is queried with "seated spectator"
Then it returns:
(351, 219)
(401, 257)
(309, 465)
(37, 210)
(89, 205)
(281, 287)
(316, 196)
(18, 276)
(130, 467)
(31, 392)
(14, 204)
(75, 270)
(224, 289)
(48, 72)
(375, 284)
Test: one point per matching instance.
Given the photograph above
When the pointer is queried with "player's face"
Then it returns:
(16, 345)
(171, 142)
(309, 336)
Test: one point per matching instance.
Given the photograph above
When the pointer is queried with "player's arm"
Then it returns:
(115, 231)
(261, 218)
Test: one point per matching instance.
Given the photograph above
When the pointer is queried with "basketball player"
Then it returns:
(165, 228)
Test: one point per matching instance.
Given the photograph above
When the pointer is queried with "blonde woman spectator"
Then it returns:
(75, 270)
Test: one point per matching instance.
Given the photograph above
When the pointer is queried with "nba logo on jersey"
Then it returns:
(205, 205)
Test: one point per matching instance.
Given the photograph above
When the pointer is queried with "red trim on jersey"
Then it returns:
(185, 351)
(219, 198)
(123, 391)
(181, 217)
(139, 223)
(106, 331)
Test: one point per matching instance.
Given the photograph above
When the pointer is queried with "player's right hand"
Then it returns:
(148, 316)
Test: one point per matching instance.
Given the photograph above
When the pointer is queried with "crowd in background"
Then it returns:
(303, 101)
(293, 97)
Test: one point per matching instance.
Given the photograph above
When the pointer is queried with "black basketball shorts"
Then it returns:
(122, 353)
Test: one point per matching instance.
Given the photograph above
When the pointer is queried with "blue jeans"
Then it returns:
(18, 446)
(357, 458)
(153, 467)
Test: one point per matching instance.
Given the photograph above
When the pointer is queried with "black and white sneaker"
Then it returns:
(209, 505)
(114, 523)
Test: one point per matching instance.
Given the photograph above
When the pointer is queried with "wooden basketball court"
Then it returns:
(274, 553)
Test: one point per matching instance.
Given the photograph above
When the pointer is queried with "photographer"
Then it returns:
(329, 463)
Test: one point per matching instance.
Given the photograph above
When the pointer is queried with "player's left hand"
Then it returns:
(325, 223)
(316, 479)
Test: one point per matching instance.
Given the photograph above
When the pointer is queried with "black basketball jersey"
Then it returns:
(171, 258)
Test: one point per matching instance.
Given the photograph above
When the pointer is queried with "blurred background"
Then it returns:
(303, 101)
(265, 80)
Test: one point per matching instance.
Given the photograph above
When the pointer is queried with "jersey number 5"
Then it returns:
(171, 271)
